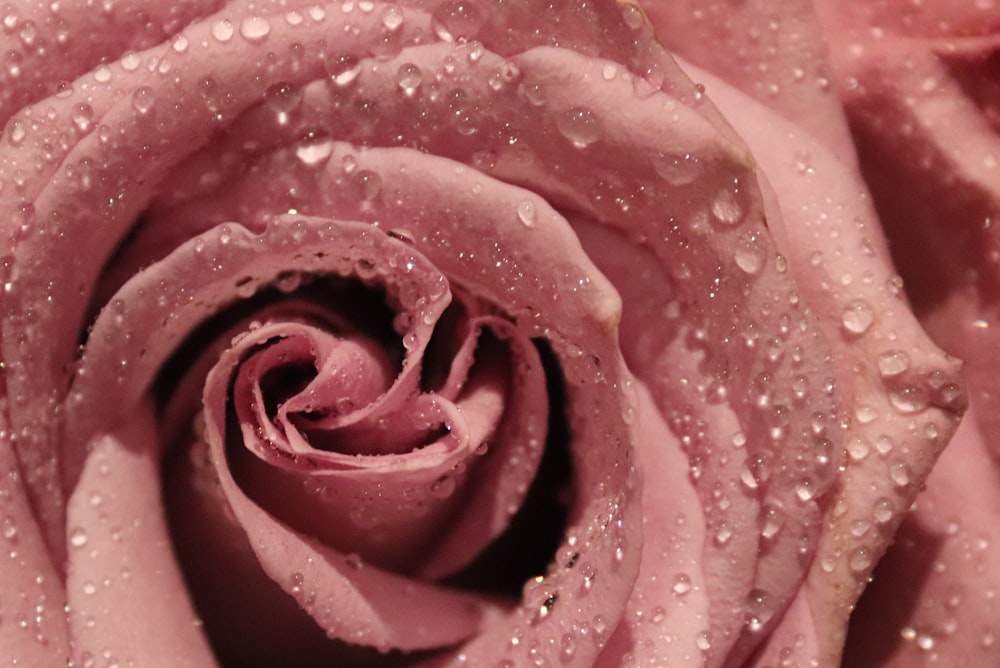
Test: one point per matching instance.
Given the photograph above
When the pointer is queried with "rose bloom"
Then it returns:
(489, 334)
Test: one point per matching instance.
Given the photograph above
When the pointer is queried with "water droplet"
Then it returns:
(892, 363)
(703, 641)
(883, 510)
(860, 560)
(283, 98)
(222, 30)
(682, 584)
(676, 169)
(728, 206)
(366, 184)
(580, 126)
(409, 77)
(567, 646)
(143, 99)
(900, 474)
(9, 529)
(909, 399)
(750, 253)
(526, 213)
(443, 487)
(83, 117)
(17, 133)
(758, 610)
(866, 413)
(723, 534)
(78, 537)
(772, 521)
(589, 574)
(457, 19)
(131, 61)
(343, 69)
(858, 448)
(392, 17)
(857, 317)
(255, 29)
(313, 153)
(804, 491)
(354, 561)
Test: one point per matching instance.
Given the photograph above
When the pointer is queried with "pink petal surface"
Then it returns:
(918, 84)
(829, 231)
(121, 559)
(772, 51)
(36, 632)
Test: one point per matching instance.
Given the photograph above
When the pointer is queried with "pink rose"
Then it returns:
(438, 334)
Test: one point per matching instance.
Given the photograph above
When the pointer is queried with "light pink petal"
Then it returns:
(919, 85)
(34, 629)
(48, 45)
(933, 596)
(904, 394)
(773, 51)
(121, 565)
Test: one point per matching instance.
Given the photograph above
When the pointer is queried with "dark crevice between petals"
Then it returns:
(528, 546)
(366, 306)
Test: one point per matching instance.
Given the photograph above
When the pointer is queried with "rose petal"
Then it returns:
(932, 594)
(905, 407)
(34, 631)
(120, 558)
(48, 45)
(772, 51)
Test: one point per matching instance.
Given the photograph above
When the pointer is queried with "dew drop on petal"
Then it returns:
(892, 363)
(131, 61)
(16, 133)
(728, 208)
(682, 584)
(750, 254)
(283, 97)
(78, 537)
(900, 474)
(883, 510)
(222, 30)
(860, 560)
(255, 29)
(772, 521)
(143, 99)
(392, 17)
(857, 317)
(909, 399)
(366, 184)
(858, 448)
(83, 116)
(526, 213)
(409, 77)
(580, 126)
(677, 169)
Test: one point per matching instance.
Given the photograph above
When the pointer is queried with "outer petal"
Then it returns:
(903, 407)
(919, 85)
(121, 559)
(35, 630)
(773, 51)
